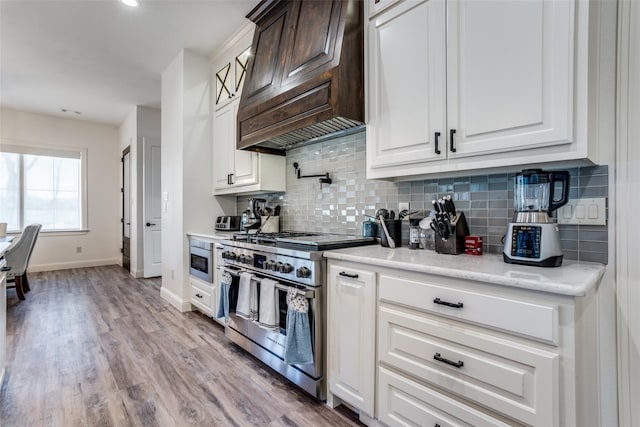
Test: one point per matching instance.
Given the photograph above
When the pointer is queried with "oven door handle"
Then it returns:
(307, 293)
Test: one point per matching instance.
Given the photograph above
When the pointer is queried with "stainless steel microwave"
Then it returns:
(201, 259)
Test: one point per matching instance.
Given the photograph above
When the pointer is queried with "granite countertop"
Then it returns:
(572, 278)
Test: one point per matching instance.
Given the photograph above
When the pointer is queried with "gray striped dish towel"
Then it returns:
(298, 350)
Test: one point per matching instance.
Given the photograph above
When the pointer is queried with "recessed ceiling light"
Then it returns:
(132, 3)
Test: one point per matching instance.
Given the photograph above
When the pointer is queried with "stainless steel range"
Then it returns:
(294, 260)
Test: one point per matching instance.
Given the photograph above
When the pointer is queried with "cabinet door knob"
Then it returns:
(452, 144)
(437, 142)
(458, 364)
(349, 275)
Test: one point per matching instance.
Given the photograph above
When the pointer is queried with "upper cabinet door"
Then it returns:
(509, 75)
(407, 82)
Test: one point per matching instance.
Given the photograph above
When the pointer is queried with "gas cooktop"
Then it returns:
(309, 241)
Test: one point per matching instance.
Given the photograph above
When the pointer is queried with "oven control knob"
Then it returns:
(229, 255)
(278, 266)
(248, 259)
(268, 265)
(286, 268)
(303, 272)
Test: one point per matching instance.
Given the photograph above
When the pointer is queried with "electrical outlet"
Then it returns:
(584, 211)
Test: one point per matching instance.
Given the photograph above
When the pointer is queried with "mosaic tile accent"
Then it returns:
(487, 200)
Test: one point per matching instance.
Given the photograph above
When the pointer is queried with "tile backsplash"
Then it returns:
(487, 200)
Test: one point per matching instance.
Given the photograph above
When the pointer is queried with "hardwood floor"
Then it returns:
(95, 347)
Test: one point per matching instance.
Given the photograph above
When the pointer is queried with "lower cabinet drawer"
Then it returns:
(403, 402)
(202, 299)
(537, 321)
(513, 379)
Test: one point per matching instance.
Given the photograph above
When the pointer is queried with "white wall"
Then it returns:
(140, 122)
(186, 169)
(627, 206)
(101, 245)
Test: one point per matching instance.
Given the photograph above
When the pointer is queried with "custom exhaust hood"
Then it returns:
(305, 78)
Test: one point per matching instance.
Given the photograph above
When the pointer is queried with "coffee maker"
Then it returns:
(532, 237)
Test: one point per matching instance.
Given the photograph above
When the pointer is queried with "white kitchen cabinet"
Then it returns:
(238, 171)
(230, 66)
(351, 334)
(459, 347)
(458, 85)
(204, 296)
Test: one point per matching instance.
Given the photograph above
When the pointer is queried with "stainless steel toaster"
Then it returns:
(228, 223)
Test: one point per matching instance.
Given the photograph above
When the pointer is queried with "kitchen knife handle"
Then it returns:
(452, 145)
(349, 275)
(437, 142)
(448, 304)
(458, 364)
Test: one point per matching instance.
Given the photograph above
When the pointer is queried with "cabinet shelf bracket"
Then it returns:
(324, 178)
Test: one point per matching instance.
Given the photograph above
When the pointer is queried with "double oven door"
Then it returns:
(274, 341)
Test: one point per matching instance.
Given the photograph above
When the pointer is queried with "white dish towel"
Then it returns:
(269, 310)
(247, 306)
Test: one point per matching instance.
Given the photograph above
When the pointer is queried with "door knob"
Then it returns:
(149, 224)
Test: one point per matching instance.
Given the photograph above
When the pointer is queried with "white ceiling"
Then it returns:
(101, 57)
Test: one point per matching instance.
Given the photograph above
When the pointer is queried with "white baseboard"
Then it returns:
(74, 264)
(175, 300)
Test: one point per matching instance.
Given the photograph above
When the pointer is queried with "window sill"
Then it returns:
(53, 232)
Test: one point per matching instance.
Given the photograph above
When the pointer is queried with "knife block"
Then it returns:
(454, 245)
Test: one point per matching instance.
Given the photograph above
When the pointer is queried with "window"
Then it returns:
(44, 186)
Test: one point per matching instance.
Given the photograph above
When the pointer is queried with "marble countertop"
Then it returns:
(5, 242)
(216, 235)
(572, 278)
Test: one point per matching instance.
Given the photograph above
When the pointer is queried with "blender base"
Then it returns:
(554, 261)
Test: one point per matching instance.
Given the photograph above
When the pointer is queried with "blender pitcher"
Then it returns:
(535, 194)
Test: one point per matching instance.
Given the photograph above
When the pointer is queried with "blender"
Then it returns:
(532, 237)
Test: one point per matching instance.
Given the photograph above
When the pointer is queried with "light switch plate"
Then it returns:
(584, 212)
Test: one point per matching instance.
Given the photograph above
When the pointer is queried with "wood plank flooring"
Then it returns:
(96, 347)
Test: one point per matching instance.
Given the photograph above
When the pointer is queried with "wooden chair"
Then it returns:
(18, 256)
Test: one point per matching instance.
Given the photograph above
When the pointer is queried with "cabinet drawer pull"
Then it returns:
(198, 295)
(458, 364)
(349, 275)
(448, 304)
(452, 144)
(437, 142)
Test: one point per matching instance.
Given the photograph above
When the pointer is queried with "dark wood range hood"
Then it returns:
(305, 78)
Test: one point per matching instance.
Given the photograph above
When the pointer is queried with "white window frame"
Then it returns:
(15, 147)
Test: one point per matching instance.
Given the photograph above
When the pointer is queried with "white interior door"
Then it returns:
(152, 208)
